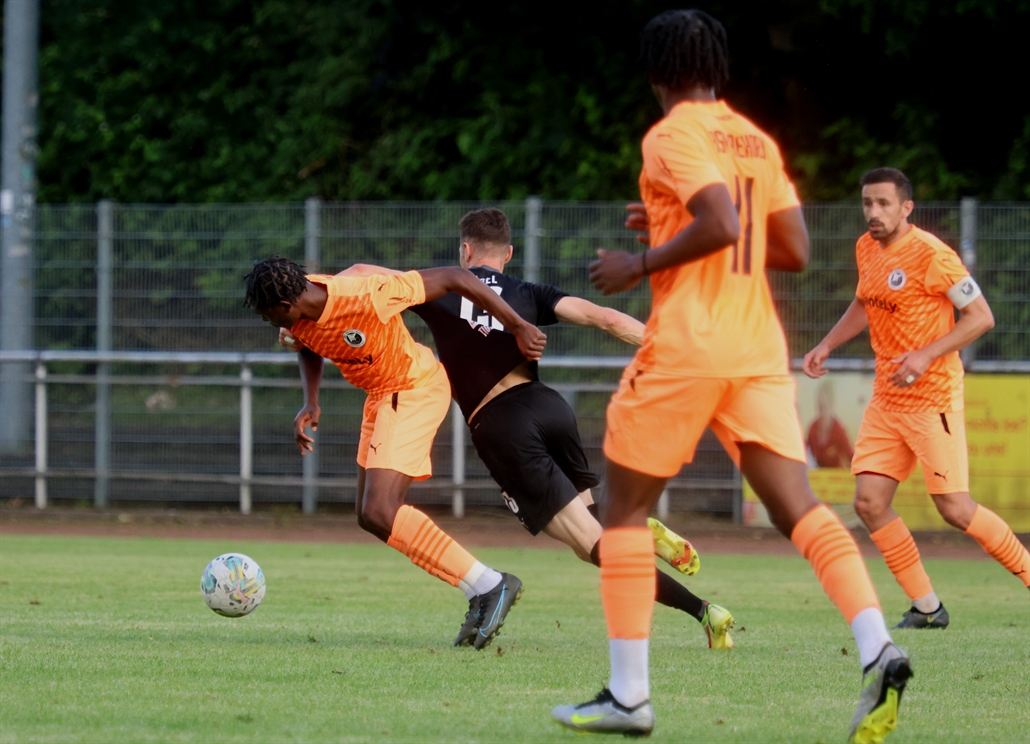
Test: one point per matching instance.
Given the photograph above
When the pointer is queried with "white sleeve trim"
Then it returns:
(963, 292)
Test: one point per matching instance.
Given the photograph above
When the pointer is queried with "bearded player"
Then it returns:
(355, 321)
(910, 284)
(720, 210)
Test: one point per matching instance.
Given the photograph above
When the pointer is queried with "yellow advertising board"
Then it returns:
(997, 416)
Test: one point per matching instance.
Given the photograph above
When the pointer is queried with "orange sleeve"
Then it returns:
(681, 160)
(782, 194)
(944, 271)
(392, 294)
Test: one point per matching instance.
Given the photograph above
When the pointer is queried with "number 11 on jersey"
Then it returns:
(742, 264)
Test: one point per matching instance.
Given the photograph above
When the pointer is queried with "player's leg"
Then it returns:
(577, 526)
(943, 452)
(761, 427)
(639, 464)
(883, 459)
(395, 452)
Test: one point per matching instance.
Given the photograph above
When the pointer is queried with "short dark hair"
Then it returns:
(680, 48)
(889, 175)
(274, 280)
(482, 227)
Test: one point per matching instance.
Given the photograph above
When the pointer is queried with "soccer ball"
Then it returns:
(233, 585)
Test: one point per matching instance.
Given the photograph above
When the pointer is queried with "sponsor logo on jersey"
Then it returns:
(881, 304)
(354, 338)
(358, 360)
(897, 279)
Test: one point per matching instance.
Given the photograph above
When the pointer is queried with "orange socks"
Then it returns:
(628, 581)
(832, 551)
(995, 537)
(902, 558)
(430, 548)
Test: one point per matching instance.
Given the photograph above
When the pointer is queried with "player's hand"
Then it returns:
(813, 363)
(637, 220)
(531, 341)
(288, 342)
(308, 416)
(615, 271)
(912, 365)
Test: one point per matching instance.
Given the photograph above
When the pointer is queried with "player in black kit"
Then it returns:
(524, 431)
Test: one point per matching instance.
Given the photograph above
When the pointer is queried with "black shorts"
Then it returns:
(527, 437)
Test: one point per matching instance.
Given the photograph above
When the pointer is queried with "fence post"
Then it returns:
(246, 437)
(105, 302)
(967, 220)
(313, 263)
(17, 215)
(738, 497)
(534, 213)
(457, 460)
(41, 436)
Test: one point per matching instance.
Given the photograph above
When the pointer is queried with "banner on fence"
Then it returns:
(997, 429)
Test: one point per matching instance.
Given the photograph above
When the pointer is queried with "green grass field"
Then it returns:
(108, 640)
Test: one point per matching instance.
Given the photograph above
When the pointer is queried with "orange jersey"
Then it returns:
(713, 317)
(361, 331)
(903, 289)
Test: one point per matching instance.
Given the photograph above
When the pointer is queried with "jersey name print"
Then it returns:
(362, 332)
(473, 346)
(904, 290)
(713, 317)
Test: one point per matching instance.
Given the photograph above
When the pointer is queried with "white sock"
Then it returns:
(927, 604)
(629, 683)
(870, 633)
(479, 580)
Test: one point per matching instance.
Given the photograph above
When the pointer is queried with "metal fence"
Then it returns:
(128, 281)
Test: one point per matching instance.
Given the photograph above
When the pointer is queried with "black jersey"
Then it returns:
(475, 349)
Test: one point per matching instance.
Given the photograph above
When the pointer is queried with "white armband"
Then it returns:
(963, 292)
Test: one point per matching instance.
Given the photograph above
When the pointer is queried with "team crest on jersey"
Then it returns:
(354, 338)
(897, 279)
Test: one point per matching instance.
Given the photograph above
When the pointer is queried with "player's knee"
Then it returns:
(866, 508)
(956, 509)
(373, 519)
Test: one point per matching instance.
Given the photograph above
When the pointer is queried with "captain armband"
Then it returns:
(963, 292)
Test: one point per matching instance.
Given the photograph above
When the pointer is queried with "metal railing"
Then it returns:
(457, 483)
(126, 297)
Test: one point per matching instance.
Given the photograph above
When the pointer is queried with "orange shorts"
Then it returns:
(656, 421)
(891, 444)
(397, 430)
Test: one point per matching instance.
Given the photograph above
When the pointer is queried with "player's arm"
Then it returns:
(851, 323)
(311, 380)
(787, 241)
(367, 270)
(715, 226)
(976, 320)
(577, 311)
(438, 282)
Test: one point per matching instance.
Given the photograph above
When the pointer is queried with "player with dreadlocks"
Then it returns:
(355, 322)
(719, 210)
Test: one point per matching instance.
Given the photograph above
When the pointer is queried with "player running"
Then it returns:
(910, 284)
(355, 321)
(720, 210)
(526, 432)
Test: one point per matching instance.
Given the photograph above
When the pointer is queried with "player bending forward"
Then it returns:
(720, 210)
(909, 286)
(355, 322)
(526, 432)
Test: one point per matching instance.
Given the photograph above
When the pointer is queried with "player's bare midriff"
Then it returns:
(518, 376)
